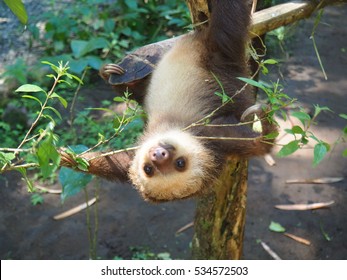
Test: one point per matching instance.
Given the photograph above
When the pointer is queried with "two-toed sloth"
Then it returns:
(175, 159)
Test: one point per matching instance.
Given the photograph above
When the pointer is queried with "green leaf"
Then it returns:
(48, 63)
(74, 77)
(36, 199)
(319, 152)
(81, 48)
(272, 135)
(119, 99)
(109, 25)
(30, 185)
(48, 157)
(132, 4)
(315, 138)
(94, 62)
(289, 131)
(264, 70)
(72, 182)
(344, 116)
(225, 98)
(270, 61)
(29, 88)
(344, 153)
(284, 115)
(253, 83)
(78, 47)
(304, 140)
(32, 97)
(61, 99)
(78, 65)
(55, 111)
(6, 158)
(276, 227)
(82, 164)
(318, 110)
(18, 8)
(297, 130)
(288, 149)
(325, 234)
(302, 116)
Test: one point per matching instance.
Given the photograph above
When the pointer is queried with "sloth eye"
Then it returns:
(180, 164)
(148, 169)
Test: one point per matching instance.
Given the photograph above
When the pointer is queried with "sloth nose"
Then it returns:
(159, 155)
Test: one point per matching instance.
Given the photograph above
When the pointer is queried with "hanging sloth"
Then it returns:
(176, 159)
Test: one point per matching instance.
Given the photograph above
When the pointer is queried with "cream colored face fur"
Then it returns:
(175, 184)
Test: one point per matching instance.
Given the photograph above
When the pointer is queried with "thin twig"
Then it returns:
(52, 191)
(187, 226)
(269, 251)
(26, 165)
(298, 239)
(72, 107)
(74, 210)
(324, 180)
(303, 207)
(224, 138)
(14, 150)
(114, 152)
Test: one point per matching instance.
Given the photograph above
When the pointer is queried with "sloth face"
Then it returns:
(170, 165)
(163, 159)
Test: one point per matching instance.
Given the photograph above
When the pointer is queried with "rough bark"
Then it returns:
(198, 11)
(220, 215)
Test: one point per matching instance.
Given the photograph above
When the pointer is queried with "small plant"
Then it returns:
(36, 199)
(37, 148)
(16, 73)
(146, 254)
(89, 31)
(279, 101)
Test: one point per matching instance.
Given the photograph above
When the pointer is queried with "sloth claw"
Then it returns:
(113, 69)
(257, 109)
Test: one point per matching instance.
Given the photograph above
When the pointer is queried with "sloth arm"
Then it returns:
(245, 142)
(113, 167)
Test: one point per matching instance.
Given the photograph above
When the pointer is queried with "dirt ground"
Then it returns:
(125, 221)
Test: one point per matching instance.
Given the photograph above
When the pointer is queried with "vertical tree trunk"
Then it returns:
(220, 214)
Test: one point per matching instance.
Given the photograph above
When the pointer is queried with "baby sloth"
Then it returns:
(176, 159)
